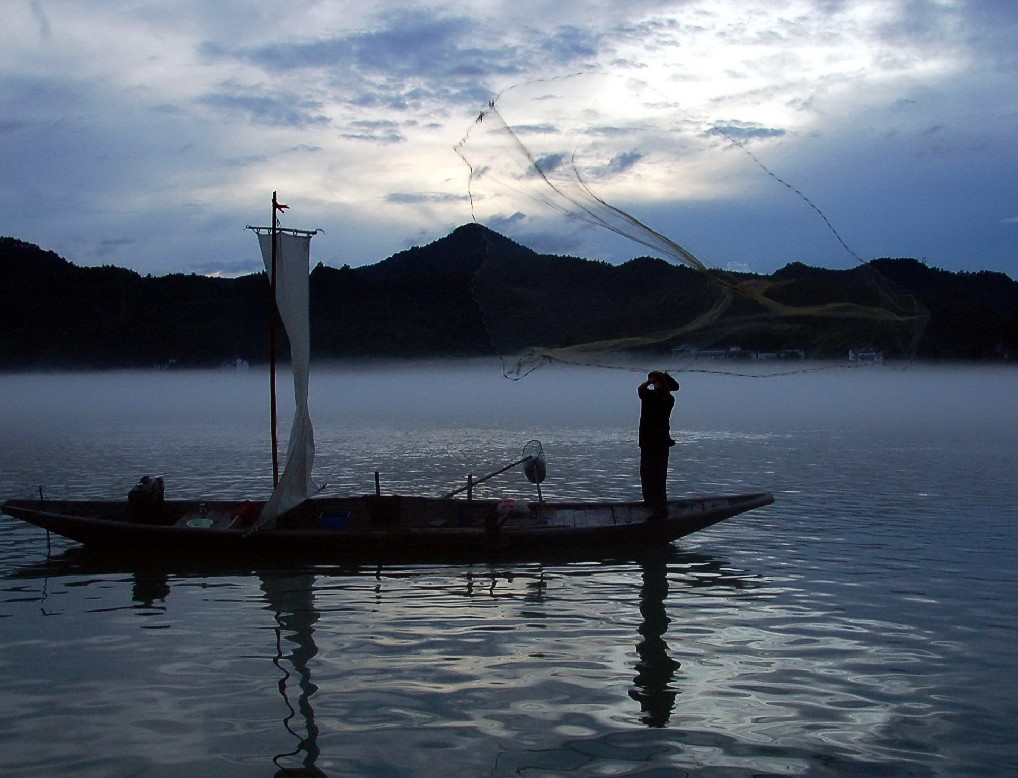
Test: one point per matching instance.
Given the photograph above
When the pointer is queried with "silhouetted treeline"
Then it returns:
(432, 301)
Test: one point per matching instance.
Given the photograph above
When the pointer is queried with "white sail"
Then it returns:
(293, 260)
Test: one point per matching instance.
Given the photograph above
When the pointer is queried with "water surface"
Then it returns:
(863, 624)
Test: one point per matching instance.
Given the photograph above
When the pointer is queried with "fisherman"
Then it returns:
(656, 403)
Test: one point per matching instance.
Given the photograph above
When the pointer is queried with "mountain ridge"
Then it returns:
(423, 302)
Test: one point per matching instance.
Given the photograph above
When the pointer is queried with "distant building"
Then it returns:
(866, 356)
(785, 353)
(737, 352)
(715, 353)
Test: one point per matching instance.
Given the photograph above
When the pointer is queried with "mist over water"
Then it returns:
(866, 622)
(474, 393)
(450, 418)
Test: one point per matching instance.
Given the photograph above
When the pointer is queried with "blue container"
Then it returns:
(339, 520)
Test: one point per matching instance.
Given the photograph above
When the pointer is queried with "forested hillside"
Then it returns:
(426, 302)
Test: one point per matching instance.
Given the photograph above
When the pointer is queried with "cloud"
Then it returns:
(279, 110)
(413, 198)
(624, 161)
(168, 124)
(407, 59)
(407, 42)
(570, 44)
(739, 267)
(500, 222)
(617, 165)
(45, 31)
(373, 130)
(12, 125)
(550, 163)
(227, 268)
(744, 131)
(113, 245)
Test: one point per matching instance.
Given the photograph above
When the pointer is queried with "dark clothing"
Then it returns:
(655, 440)
(655, 410)
(654, 473)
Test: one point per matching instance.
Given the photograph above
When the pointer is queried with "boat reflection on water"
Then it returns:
(290, 596)
(148, 589)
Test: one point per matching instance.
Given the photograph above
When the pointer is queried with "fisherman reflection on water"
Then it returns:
(656, 404)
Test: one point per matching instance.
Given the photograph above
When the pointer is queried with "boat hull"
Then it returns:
(379, 528)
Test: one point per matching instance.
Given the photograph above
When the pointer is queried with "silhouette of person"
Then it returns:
(656, 404)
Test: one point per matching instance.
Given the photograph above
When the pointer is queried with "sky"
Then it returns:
(147, 134)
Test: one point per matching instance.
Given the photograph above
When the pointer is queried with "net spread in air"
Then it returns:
(558, 163)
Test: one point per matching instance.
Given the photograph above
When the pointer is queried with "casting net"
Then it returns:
(582, 166)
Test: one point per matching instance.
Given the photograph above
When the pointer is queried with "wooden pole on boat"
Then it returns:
(472, 482)
(272, 350)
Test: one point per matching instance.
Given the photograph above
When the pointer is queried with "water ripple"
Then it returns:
(863, 624)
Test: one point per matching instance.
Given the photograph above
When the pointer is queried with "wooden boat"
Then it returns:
(295, 524)
(374, 528)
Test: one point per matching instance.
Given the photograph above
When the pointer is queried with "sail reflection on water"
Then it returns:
(291, 599)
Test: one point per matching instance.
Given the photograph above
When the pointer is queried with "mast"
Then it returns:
(287, 251)
(272, 348)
